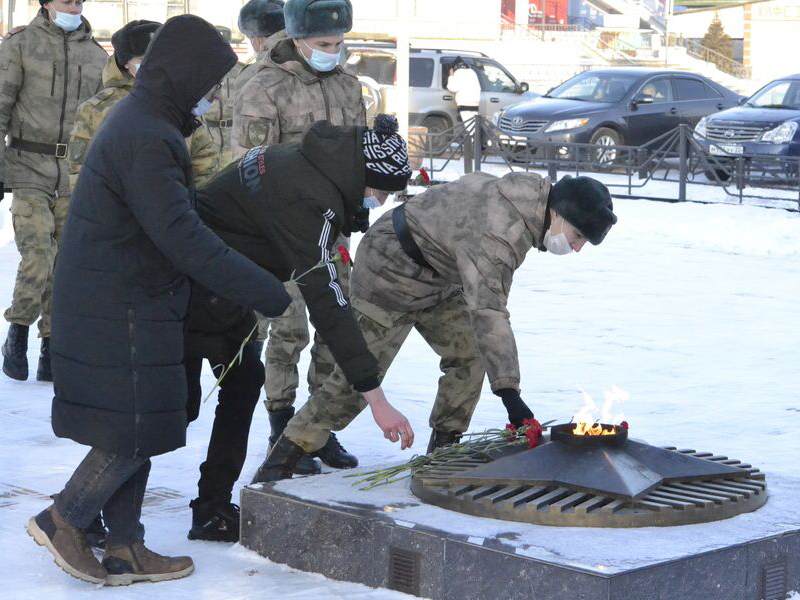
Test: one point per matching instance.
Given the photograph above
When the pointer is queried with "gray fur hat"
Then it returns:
(310, 18)
(261, 18)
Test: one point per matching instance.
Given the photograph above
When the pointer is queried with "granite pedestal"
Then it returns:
(388, 538)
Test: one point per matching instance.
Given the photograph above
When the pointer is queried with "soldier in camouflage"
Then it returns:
(47, 69)
(295, 84)
(219, 118)
(130, 44)
(443, 264)
(263, 23)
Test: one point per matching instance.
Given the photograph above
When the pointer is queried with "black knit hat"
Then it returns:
(261, 18)
(132, 40)
(386, 156)
(584, 203)
(309, 18)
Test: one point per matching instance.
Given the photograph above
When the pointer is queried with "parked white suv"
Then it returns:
(431, 104)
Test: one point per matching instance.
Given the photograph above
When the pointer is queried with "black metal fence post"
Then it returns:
(477, 142)
(683, 143)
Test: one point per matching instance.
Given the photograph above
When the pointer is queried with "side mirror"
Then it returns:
(643, 100)
(523, 87)
(742, 100)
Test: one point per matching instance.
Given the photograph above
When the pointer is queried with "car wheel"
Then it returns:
(437, 126)
(606, 155)
(717, 174)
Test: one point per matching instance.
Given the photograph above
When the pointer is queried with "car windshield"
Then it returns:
(778, 94)
(595, 87)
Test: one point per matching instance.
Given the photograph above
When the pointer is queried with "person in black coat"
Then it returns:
(120, 298)
(283, 206)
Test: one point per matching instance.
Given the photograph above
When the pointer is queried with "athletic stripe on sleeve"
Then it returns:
(325, 256)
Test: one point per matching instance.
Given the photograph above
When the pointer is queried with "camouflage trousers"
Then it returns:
(445, 327)
(38, 219)
(287, 338)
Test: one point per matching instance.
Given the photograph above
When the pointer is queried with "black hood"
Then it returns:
(185, 60)
(338, 153)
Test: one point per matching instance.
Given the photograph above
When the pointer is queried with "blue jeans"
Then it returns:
(110, 483)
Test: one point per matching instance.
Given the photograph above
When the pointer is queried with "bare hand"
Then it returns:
(391, 421)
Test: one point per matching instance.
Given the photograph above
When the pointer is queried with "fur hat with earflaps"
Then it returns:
(312, 18)
(132, 40)
(261, 18)
(586, 204)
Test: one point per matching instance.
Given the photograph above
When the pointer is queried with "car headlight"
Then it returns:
(700, 128)
(566, 124)
(782, 134)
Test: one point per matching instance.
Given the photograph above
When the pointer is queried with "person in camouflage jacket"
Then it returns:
(130, 44)
(262, 22)
(443, 264)
(297, 83)
(47, 70)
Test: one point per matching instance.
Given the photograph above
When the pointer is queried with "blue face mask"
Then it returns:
(67, 21)
(322, 61)
(202, 107)
(371, 202)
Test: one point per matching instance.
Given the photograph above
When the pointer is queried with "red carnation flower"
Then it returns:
(426, 179)
(624, 425)
(533, 431)
(344, 253)
(512, 431)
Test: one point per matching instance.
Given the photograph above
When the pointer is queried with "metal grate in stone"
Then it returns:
(773, 581)
(672, 503)
(404, 570)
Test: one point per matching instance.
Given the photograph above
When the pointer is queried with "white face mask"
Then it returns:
(67, 21)
(558, 243)
(202, 107)
(321, 61)
(371, 202)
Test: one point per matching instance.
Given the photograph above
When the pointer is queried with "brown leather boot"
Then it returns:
(68, 545)
(127, 564)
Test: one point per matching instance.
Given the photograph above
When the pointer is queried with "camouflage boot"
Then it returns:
(442, 438)
(67, 544)
(44, 372)
(128, 564)
(307, 465)
(15, 352)
(281, 462)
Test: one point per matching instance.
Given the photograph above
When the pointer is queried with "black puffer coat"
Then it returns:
(131, 238)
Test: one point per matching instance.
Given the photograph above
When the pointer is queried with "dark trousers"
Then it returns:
(112, 483)
(238, 395)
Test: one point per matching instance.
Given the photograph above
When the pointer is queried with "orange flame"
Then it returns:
(591, 429)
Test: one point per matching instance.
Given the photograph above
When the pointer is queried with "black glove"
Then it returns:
(517, 409)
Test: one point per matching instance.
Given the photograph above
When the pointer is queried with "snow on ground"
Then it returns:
(691, 308)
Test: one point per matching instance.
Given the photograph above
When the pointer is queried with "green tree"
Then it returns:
(717, 40)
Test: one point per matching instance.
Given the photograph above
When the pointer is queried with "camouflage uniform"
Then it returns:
(116, 86)
(475, 233)
(220, 117)
(46, 73)
(276, 106)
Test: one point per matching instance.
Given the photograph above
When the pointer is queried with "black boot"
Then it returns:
(281, 462)
(15, 352)
(334, 455)
(44, 372)
(214, 521)
(96, 533)
(442, 438)
(278, 419)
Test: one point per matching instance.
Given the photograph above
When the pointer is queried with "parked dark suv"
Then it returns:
(613, 107)
(767, 123)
